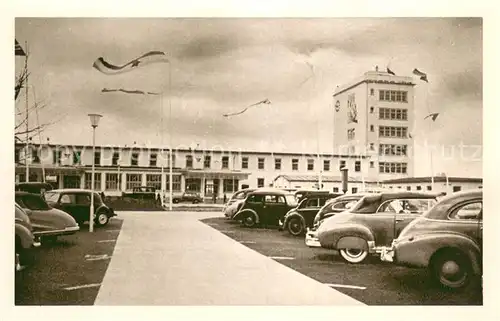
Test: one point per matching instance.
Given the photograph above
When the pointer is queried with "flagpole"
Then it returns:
(39, 131)
(170, 133)
(27, 125)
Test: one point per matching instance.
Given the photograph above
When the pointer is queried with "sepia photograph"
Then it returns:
(248, 161)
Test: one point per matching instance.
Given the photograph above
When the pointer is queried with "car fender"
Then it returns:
(346, 235)
(430, 244)
(241, 214)
(292, 215)
(25, 236)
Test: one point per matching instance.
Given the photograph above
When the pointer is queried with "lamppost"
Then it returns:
(94, 121)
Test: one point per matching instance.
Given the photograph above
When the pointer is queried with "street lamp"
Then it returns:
(94, 122)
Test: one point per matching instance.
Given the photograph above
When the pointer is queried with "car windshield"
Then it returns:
(291, 200)
(51, 196)
(239, 196)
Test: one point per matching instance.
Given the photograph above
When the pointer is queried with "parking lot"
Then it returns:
(373, 283)
(70, 270)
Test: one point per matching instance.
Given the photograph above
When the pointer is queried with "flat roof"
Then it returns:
(380, 77)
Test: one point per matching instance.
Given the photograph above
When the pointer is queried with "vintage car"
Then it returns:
(48, 223)
(298, 219)
(24, 239)
(374, 222)
(301, 194)
(237, 198)
(448, 240)
(265, 207)
(331, 207)
(141, 192)
(76, 202)
(33, 187)
(190, 197)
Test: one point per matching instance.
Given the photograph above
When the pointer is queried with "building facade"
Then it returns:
(442, 184)
(374, 117)
(207, 172)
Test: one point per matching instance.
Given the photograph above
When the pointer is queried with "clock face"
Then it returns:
(337, 106)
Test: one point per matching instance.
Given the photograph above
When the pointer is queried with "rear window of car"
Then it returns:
(51, 196)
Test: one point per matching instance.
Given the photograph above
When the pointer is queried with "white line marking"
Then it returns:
(248, 242)
(84, 286)
(282, 258)
(106, 241)
(89, 257)
(346, 286)
(112, 230)
(229, 232)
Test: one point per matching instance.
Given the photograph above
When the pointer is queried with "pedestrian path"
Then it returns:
(169, 258)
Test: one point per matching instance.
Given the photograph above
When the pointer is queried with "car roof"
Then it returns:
(33, 184)
(270, 191)
(72, 190)
(449, 201)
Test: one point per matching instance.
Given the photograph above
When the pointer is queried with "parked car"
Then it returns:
(331, 207)
(190, 197)
(372, 223)
(298, 219)
(24, 239)
(48, 223)
(238, 197)
(76, 202)
(142, 192)
(448, 240)
(266, 207)
(33, 187)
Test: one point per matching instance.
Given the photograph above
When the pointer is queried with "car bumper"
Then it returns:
(312, 239)
(65, 231)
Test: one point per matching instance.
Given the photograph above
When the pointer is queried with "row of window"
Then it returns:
(112, 181)
(393, 132)
(393, 114)
(393, 95)
(392, 150)
(393, 167)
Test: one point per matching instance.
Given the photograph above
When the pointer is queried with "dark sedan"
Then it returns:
(298, 219)
(76, 202)
(48, 223)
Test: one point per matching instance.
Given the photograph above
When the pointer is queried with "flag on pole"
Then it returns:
(422, 75)
(18, 49)
(265, 102)
(127, 91)
(433, 116)
(390, 72)
(146, 59)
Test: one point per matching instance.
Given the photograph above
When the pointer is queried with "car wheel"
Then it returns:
(102, 218)
(249, 220)
(451, 269)
(295, 226)
(354, 255)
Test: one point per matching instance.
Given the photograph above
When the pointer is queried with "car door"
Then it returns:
(274, 209)
(467, 219)
(67, 203)
(83, 205)
(382, 222)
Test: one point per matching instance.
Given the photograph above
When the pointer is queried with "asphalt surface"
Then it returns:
(373, 283)
(69, 270)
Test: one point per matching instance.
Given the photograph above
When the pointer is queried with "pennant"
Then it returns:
(433, 116)
(422, 75)
(265, 101)
(139, 92)
(390, 72)
(18, 50)
(148, 58)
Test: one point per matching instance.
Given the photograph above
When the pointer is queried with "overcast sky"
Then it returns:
(223, 65)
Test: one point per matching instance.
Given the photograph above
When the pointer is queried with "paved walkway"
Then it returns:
(174, 259)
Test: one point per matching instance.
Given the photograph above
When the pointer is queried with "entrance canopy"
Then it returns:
(211, 174)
